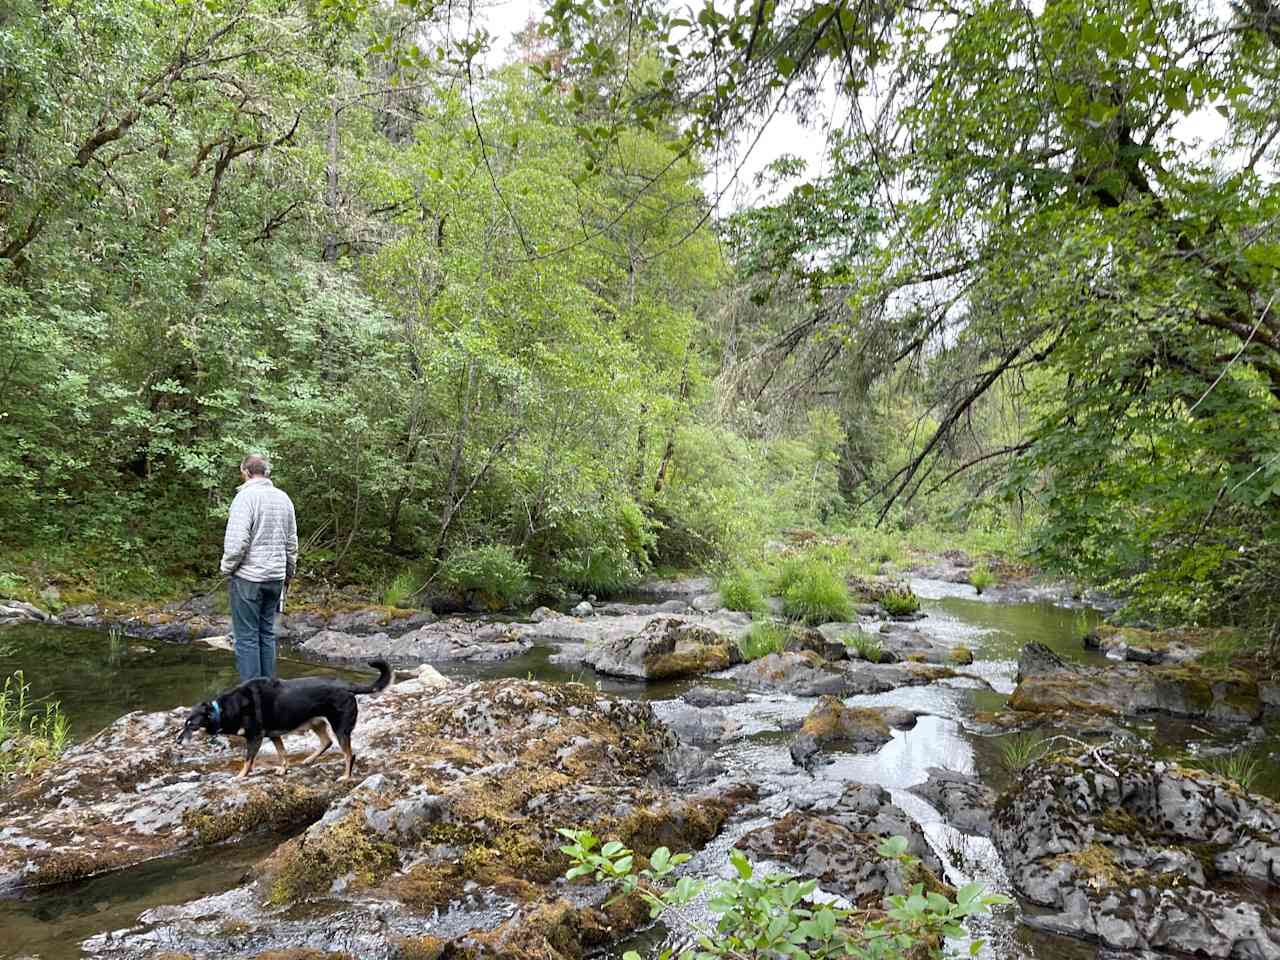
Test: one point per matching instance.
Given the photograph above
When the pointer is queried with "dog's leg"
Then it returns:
(284, 757)
(345, 744)
(251, 748)
(321, 730)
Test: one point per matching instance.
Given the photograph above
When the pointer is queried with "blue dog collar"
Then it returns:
(217, 716)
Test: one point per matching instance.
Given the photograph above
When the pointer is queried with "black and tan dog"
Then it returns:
(268, 709)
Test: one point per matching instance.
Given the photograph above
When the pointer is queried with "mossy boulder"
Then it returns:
(831, 725)
(1143, 854)
(1047, 684)
(663, 648)
(1178, 645)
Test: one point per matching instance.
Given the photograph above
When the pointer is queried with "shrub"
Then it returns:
(981, 577)
(1021, 750)
(898, 603)
(764, 637)
(31, 735)
(814, 594)
(401, 589)
(865, 646)
(1242, 767)
(740, 590)
(494, 573)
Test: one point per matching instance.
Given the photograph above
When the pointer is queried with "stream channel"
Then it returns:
(98, 677)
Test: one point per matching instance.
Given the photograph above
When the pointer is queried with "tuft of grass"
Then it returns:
(1021, 750)
(764, 637)
(401, 590)
(36, 734)
(740, 590)
(816, 594)
(1243, 767)
(865, 646)
(900, 602)
(981, 578)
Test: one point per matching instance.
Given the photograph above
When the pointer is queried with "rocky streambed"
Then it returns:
(639, 721)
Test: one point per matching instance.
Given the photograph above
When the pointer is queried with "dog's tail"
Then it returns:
(384, 678)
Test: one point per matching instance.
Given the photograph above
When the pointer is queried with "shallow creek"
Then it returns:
(98, 678)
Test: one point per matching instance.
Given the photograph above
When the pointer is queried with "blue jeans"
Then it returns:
(253, 624)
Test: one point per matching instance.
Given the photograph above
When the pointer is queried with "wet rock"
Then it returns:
(707, 603)
(601, 630)
(801, 638)
(704, 726)
(451, 640)
(664, 647)
(835, 842)
(713, 697)
(832, 725)
(19, 611)
(799, 674)
(808, 675)
(964, 801)
(1037, 660)
(1047, 683)
(584, 609)
(1143, 854)
(643, 609)
(685, 588)
(380, 620)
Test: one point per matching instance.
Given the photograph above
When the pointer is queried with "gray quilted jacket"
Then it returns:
(262, 535)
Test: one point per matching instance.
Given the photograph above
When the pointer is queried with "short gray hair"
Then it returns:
(256, 465)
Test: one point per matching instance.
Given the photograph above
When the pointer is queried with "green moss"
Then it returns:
(962, 655)
(284, 807)
(309, 865)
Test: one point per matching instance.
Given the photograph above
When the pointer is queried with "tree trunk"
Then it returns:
(330, 253)
(455, 465)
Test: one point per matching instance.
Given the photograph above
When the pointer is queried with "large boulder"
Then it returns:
(831, 725)
(451, 640)
(463, 791)
(686, 588)
(1144, 855)
(964, 801)
(1046, 683)
(664, 647)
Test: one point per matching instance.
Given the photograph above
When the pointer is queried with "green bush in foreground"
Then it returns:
(774, 915)
(493, 572)
(815, 594)
(764, 638)
(740, 590)
(898, 603)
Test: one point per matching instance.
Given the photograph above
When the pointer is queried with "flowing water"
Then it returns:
(98, 677)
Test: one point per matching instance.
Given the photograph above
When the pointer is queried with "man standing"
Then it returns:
(259, 555)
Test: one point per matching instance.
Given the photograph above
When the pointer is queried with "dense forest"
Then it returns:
(492, 326)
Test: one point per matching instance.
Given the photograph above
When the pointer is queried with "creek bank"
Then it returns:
(462, 792)
(1048, 683)
(1143, 855)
